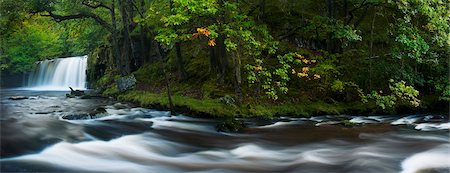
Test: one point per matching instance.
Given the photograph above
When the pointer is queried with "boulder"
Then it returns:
(228, 100)
(126, 83)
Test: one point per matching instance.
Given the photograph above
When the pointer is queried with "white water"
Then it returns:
(59, 74)
(36, 138)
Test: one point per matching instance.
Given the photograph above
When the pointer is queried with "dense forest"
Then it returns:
(244, 57)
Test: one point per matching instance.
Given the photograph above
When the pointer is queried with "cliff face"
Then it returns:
(12, 80)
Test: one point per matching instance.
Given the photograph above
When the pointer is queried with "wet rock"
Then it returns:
(83, 116)
(121, 106)
(126, 83)
(434, 118)
(44, 112)
(230, 126)
(70, 96)
(99, 111)
(94, 114)
(18, 98)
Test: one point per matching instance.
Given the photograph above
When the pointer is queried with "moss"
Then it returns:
(215, 108)
(230, 125)
(111, 91)
(210, 107)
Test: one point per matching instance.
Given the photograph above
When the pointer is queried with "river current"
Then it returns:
(35, 138)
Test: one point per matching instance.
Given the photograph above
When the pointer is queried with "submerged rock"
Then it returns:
(18, 97)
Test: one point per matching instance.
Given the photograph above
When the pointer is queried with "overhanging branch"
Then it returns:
(59, 18)
(95, 6)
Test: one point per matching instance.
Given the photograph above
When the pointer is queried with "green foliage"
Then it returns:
(404, 92)
(337, 86)
(436, 14)
(411, 44)
(40, 38)
(399, 92)
(387, 101)
(324, 26)
(36, 40)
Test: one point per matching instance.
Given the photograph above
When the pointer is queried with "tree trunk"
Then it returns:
(115, 40)
(180, 64)
(330, 41)
(371, 47)
(125, 69)
(144, 50)
(166, 79)
(212, 60)
(237, 75)
(221, 53)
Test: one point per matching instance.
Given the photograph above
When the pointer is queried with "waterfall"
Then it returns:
(59, 74)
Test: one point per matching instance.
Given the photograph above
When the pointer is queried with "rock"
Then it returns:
(230, 126)
(18, 98)
(96, 113)
(83, 116)
(70, 95)
(121, 106)
(228, 100)
(126, 83)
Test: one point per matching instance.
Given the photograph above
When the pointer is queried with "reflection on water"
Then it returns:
(132, 139)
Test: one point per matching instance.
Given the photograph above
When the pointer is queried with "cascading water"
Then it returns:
(60, 74)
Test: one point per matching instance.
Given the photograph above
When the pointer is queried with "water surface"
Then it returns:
(35, 138)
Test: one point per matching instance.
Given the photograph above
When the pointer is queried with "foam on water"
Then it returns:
(434, 159)
(433, 126)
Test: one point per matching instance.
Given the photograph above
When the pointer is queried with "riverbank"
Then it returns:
(219, 108)
(225, 107)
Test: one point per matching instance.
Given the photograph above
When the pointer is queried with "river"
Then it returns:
(35, 138)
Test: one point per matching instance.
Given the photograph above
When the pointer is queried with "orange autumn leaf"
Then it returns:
(207, 33)
(212, 42)
(203, 31)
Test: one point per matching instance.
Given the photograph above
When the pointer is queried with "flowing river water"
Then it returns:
(35, 138)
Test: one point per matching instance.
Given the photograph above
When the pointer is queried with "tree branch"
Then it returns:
(84, 2)
(353, 10)
(84, 15)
